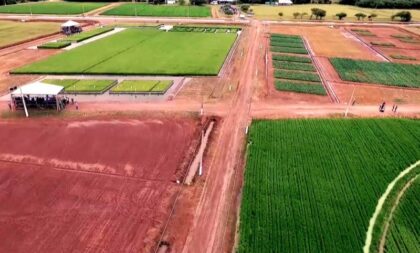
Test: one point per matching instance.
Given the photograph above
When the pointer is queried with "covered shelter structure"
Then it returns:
(38, 95)
(71, 27)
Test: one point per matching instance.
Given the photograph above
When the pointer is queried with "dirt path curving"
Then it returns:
(394, 207)
(381, 201)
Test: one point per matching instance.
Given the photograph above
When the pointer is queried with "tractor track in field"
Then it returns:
(381, 201)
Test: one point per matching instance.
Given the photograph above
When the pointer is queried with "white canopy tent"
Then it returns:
(71, 27)
(70, 23)
(285, 2)
(38, 95)
(38, 89)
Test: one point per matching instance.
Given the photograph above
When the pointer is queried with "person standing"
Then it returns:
(77, 106)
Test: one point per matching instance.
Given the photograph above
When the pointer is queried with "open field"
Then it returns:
(139, 9)
(110, 181)
(82, 86)
(271, 12)
(404, 233)
(394, 74)
(13, 32)
(59, 8)
(303, 176)
(142, 51)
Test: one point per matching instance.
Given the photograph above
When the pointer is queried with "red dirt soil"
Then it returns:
(384, 34)
(94, 185)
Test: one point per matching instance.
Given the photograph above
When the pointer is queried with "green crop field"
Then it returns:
(82, 86)
(55, 45)
(271, 12)
(312, 185)
(13, 32)
(87, 35)
(138, 9)
(300, 87)
(295, 75)
(393, 74)
(404, 229)
(291, 58)
(293, 66)
(290, 50)
(142, 51)
(142, 86)
(62, 8)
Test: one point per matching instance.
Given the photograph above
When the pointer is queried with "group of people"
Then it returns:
(44, 102)
(382, 107)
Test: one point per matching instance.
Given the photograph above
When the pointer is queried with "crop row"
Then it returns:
(293, 66)
(295, 75)
(387, 73)
(312, 185)
(291, 58)
(308, 88)
(213, 29)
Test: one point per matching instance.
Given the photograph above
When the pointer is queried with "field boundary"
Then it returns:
(381, 201)
(327, 86)
(384, 57)
(229, 56)
(391, 213)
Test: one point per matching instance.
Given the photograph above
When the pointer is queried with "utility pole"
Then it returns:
(24, 103)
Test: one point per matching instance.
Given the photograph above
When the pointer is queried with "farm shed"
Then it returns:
(38, 95)
(71, 27)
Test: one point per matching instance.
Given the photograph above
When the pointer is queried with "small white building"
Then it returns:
(284, 2)
(170, 1)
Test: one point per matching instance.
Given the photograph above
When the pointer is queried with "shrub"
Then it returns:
(245, 7)
(402, 57)
(280, 14)
(303, 14)
(296, 15)
(404, 16)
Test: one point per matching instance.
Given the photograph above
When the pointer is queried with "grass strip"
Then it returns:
(402, 57)
(308, 88)
(54, 45)
(289, 50)
(293, 75)
(382, 44)
(293, 66)
(287, 44)
(87, 35)
(291, 58)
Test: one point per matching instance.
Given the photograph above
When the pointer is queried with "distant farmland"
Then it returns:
(135, 9)
(62, 8)
(142, 51)
(312, 185)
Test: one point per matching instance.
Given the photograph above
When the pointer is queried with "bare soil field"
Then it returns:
(329, 42)
(15, 59)
(90, 185)
(384, 35)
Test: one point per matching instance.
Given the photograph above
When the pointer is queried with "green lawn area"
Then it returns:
(271, 12)
(62, 8)
(142, 86)
(142, 51)
(82, 86)
(12, 32)
(139, 9)
(87, 35)
(387, 73)
(312, 185)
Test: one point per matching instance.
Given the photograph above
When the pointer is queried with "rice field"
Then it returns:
(82, 86)
(61, 8)
(311, 185)
(141, 51)
(142, 86)
(140, 9)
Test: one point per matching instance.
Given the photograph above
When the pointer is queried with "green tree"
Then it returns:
(360, 16)
(341, 15)
(296, 15)
(245, 7)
